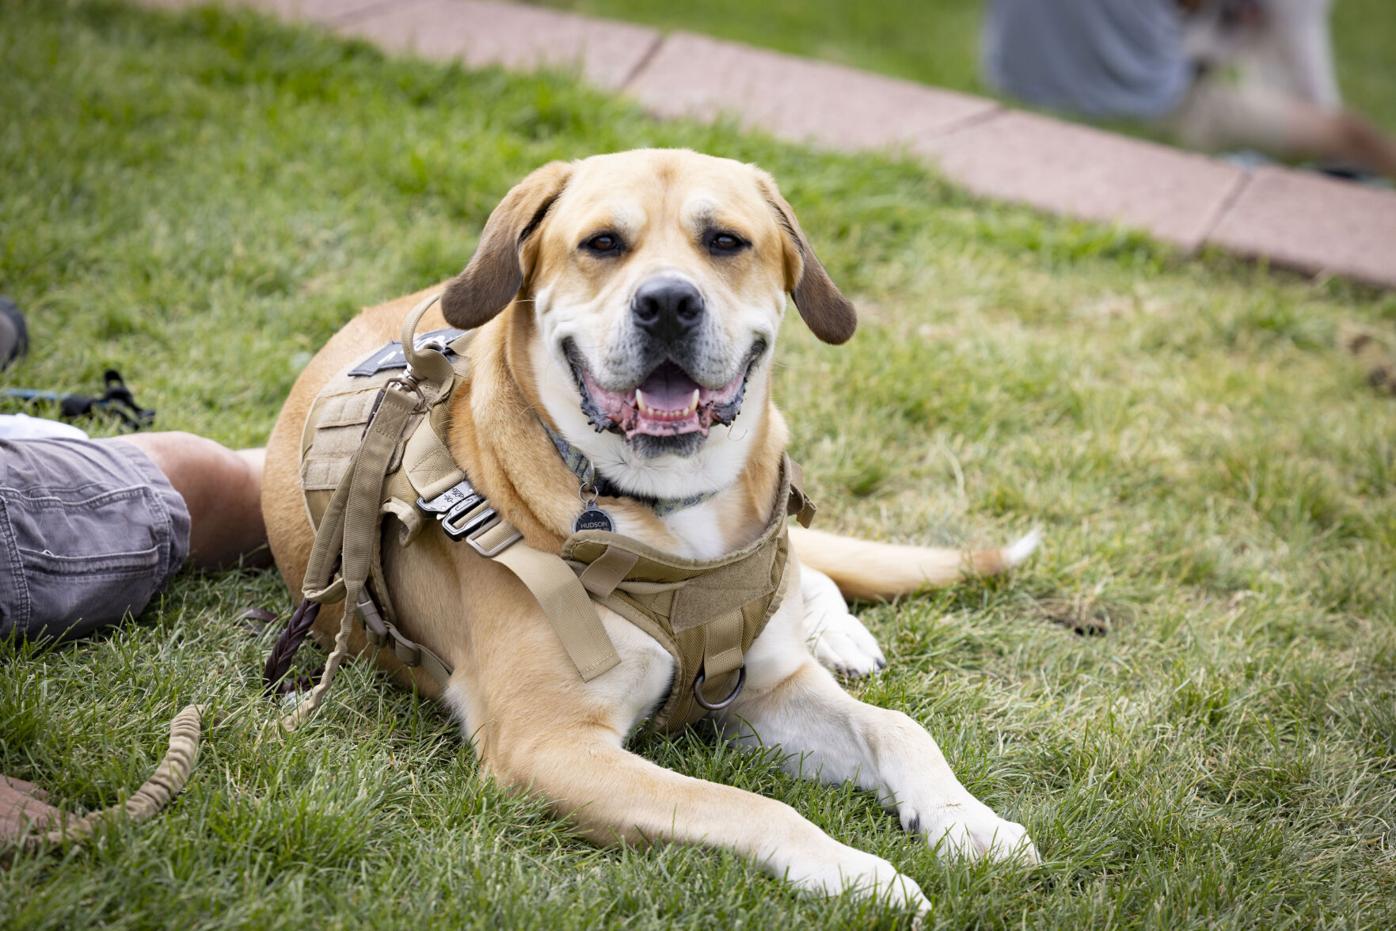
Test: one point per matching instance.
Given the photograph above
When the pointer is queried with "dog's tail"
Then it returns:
(878, 571)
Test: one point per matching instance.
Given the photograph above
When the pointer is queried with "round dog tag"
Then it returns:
(592, 519)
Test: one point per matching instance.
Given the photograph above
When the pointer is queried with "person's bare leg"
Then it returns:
(222, 489)
(1217, 115)
(1358, 141)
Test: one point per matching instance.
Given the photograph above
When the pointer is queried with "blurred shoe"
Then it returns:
(14, 334)
(1345, 172)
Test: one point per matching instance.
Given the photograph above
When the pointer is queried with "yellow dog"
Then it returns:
(627, 309)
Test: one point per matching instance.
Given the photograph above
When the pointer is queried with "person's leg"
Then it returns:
(88, 532)
(1219, 115)
(1293, 51)
(221, 488)
(92, 529)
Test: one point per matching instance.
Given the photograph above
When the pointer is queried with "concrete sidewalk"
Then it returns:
(1292, 219)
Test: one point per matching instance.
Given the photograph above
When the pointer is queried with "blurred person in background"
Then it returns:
(1218, 74)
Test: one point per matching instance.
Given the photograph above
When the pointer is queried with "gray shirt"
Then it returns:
(1103, 58)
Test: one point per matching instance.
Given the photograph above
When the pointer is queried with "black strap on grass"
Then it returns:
(117, 401)
(274, 674)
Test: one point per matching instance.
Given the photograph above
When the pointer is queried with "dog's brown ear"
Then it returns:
(495, 273)
(826, 311)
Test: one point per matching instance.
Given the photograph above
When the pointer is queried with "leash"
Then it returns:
(274, 681)
(350, 526)
(344, 556)
(155, 793)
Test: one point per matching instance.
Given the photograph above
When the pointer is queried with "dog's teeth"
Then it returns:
(664, 413)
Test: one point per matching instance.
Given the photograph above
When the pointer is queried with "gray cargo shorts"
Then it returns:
(88, 531)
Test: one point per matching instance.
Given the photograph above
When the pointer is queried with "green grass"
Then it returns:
(202, 200)
(937, 41)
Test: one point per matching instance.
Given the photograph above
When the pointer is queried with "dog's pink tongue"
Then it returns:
(669, 389)
(667, 403)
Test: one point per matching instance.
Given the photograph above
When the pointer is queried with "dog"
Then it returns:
(629, 304)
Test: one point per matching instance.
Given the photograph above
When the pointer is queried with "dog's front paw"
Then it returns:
(843, 646)
(971, 830)
(862, 874)
(837, 639)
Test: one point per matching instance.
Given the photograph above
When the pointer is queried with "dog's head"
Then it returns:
(656, 280)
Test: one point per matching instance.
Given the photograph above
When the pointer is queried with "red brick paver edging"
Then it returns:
(1084, 172)
(795, 98)
(517, 37)
(1314, 224)
(1291, 219)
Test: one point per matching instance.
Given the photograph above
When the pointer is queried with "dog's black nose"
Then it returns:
(667, 308)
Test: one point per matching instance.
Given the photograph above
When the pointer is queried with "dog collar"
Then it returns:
(581, 466)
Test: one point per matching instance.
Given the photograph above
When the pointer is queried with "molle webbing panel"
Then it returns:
(335, 428)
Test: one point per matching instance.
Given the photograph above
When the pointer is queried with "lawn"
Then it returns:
(937, 41)
(201, 200)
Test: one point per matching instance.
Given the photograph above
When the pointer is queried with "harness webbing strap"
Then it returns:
(568, 606)
(428, 463)
(431, 470)
(722, 644)
(608, 571)
(381, 632)
(350, 525)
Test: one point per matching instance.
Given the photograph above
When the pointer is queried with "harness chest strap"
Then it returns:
(432, 472)
(707, 627)
(705, 613)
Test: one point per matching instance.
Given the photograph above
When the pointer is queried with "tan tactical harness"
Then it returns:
(373, 447)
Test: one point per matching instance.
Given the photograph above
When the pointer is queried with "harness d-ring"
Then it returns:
(731, 697)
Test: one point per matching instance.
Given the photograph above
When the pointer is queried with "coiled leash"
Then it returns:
(164, 784)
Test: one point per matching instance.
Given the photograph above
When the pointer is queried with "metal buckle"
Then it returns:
(732, 696)
(501, 546)
(466, 520)
(406, 382)
(448, 499)
(433, 340)
(375, 631)
(464, 513)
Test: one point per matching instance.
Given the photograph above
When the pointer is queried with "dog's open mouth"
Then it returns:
(667, 403)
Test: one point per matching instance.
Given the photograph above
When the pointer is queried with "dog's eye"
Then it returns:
(603, 244)
(722, 243)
